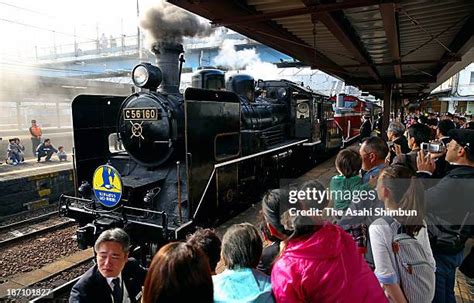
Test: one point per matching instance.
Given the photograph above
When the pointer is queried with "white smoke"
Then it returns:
(246, 60)
(229, 58)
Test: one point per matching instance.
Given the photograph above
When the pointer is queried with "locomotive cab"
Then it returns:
(243, 85)
(209, 79)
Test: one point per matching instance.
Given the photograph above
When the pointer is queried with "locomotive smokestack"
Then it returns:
(167, 59)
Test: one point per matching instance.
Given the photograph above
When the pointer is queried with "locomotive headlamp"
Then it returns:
(140, 75)
(145, 75)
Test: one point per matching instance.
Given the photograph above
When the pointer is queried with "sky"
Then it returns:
(29, 24)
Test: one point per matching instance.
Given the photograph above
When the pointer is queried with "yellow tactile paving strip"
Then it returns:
(464, 292)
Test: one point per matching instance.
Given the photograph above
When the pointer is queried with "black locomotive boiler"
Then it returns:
(158, 163)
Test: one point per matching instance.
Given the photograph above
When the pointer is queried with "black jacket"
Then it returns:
(402, 141)
(378, 124)
(450, 210)
(365, 130)
(407, 160)
(43, 149)
(92, 287)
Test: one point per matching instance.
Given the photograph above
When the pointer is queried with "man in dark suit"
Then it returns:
(115, 278)
(378, 125)
(398, 143)
(365, 128)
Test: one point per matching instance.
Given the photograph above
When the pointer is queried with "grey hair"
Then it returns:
(377, 146)
(241, 246)
(397, 128)
(114, 235)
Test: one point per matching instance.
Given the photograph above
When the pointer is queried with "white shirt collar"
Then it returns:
(111, 284)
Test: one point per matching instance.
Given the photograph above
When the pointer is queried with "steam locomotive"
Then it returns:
(158, 163)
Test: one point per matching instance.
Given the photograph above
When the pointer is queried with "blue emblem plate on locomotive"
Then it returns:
(107, 185)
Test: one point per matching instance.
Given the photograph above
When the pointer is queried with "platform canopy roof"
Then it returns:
(412, 45)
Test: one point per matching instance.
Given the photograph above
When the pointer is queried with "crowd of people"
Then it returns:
(40, 148)
(409, 252)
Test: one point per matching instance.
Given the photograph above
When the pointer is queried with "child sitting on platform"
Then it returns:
(62, 154)
(15, 151)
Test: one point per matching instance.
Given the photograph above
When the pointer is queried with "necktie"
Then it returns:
(117, 292)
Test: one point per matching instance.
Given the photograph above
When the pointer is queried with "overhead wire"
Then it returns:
(27, 9)
(46, 29)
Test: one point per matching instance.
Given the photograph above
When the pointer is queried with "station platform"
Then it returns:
(32, 185)
(323, 172)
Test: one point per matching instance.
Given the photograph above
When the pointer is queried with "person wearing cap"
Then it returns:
(449, 208)
(115, 278)
(36, 134)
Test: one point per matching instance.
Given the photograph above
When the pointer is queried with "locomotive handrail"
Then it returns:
(76, 198)
(311, 143)
(101, 211)
(218, 165)
(182, 227)
(112, 210)
(144, 210)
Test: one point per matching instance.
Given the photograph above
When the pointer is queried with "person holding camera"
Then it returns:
(416, 135)
(449, 207)
(442, 130)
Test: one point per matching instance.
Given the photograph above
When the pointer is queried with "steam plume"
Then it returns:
(169, 23)
(246, 59)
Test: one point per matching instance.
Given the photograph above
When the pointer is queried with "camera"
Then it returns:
(433, 147)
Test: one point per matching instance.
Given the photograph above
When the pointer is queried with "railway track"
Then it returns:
(58, 294)
(27, 229)
(5, 228)
(56, 286)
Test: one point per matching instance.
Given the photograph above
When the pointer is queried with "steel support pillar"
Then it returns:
(387, 100)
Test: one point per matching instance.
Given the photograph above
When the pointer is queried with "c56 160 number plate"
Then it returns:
(142, 114)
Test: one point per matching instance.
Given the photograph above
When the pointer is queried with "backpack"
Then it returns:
(416, 274)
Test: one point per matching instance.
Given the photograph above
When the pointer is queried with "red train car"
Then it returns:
(348, 113)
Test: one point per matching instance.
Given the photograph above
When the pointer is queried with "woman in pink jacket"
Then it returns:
(320, 262)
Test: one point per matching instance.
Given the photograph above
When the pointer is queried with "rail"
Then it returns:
(37, 232)
(3, 228)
